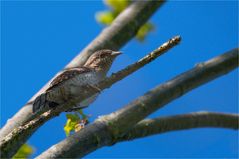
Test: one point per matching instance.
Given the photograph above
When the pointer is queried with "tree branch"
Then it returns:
(10, 144)
(107, 129)
(160, 125)
(124, 28)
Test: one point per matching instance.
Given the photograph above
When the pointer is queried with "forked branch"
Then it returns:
(108, 129)
(11, 143)
(123, 28)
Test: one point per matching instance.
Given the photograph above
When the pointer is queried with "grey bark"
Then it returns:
(161, 125)
(113, 37)
(106, 130)
(12, 142)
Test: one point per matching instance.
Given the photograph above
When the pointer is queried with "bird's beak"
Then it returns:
(116, 53)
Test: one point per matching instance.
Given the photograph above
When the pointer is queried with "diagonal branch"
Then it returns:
(124, 28)
(160, 125)
(107, 129)
(11, 143)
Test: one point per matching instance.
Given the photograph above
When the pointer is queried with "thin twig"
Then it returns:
(18, 136)
(124, 28)
(107, 129)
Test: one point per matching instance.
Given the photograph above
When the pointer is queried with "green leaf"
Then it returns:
(105, 17)
(75, 122)
(72, 121)
(68, 128)
(117, 5)
(84, 117)
(24, 152)
(73, 117)
(144, 30)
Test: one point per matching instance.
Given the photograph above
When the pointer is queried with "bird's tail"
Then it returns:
(41, 103)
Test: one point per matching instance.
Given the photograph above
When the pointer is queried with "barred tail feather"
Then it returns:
(41, 103)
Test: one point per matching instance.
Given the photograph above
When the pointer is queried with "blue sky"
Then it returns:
(40, 38)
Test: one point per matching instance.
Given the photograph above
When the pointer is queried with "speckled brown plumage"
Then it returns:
(72, 81)
(67, 74)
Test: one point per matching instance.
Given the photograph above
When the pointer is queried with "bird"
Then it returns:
(72, 82)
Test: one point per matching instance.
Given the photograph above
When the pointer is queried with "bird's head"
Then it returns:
(102, 60)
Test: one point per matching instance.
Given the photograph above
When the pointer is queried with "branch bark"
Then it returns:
(161, 125)
(107, 129)
(12, 142)
(124, 28)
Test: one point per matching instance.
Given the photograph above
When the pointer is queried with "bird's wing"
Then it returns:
(68, 74)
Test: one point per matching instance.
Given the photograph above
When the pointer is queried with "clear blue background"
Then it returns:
(40, 38)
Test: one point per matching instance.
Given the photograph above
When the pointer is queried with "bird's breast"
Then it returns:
(87, 78)
(79, 83)
(75, 87)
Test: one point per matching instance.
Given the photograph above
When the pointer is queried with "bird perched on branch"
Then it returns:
(70, 83)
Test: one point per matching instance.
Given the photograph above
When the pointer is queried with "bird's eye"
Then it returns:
(103, 55)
